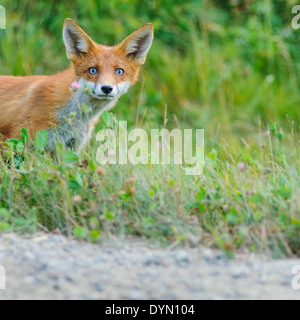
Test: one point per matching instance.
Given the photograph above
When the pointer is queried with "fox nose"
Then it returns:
(107, 89)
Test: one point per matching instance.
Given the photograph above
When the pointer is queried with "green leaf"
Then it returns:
(181, 237)
(296, 222)
(193, 205)
(92, 165)
(171, 182)
(80, 232)
(20, 147)
(107, 118)
(73, 185)
(79, 179)
(17, 161)
(95, 234)
(4, 226)
(148, 221)
(12, 142)
(24, 136)
(20, 222)
(201, 207)
(85, 108)
(243, 232)
(256, 199)
(70, 157)
(41, 139)
(213, 154)
(258, 215)
(232, 217)
(279, 135)
(109, 215)
(125, 196)
(273, 127)
(151, 193)
(201, 194)
(284, 218)
(155, 186)
(4, 214)
(285, 193)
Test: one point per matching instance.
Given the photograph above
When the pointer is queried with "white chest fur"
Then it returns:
(75, 126)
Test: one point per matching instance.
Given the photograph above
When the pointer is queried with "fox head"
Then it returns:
(107, 72)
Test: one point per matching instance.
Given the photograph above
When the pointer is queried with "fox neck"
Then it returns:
(75, 123)
(75, 110)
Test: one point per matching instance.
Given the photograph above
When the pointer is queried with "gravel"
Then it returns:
(47, 266)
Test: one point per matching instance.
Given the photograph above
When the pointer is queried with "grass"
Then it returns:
(246, 198)
(232, 70)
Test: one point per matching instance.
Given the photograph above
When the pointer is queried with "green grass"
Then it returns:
(232, 70)
(246, 198)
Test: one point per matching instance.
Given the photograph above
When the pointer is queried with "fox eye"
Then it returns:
(93, 71)
(119, 71)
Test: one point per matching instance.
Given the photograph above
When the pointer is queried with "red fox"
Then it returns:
(100, 73)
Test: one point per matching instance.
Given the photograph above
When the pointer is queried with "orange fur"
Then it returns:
(31, 102)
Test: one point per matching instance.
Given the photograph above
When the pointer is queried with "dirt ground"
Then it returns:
(54, 267)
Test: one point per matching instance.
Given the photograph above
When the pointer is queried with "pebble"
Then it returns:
(182, 256)
(239, 272)
(153, 260)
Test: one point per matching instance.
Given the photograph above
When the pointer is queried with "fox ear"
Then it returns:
(77, 42)
(138, 44)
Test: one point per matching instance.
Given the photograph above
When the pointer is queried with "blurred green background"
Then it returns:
(223, 65)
